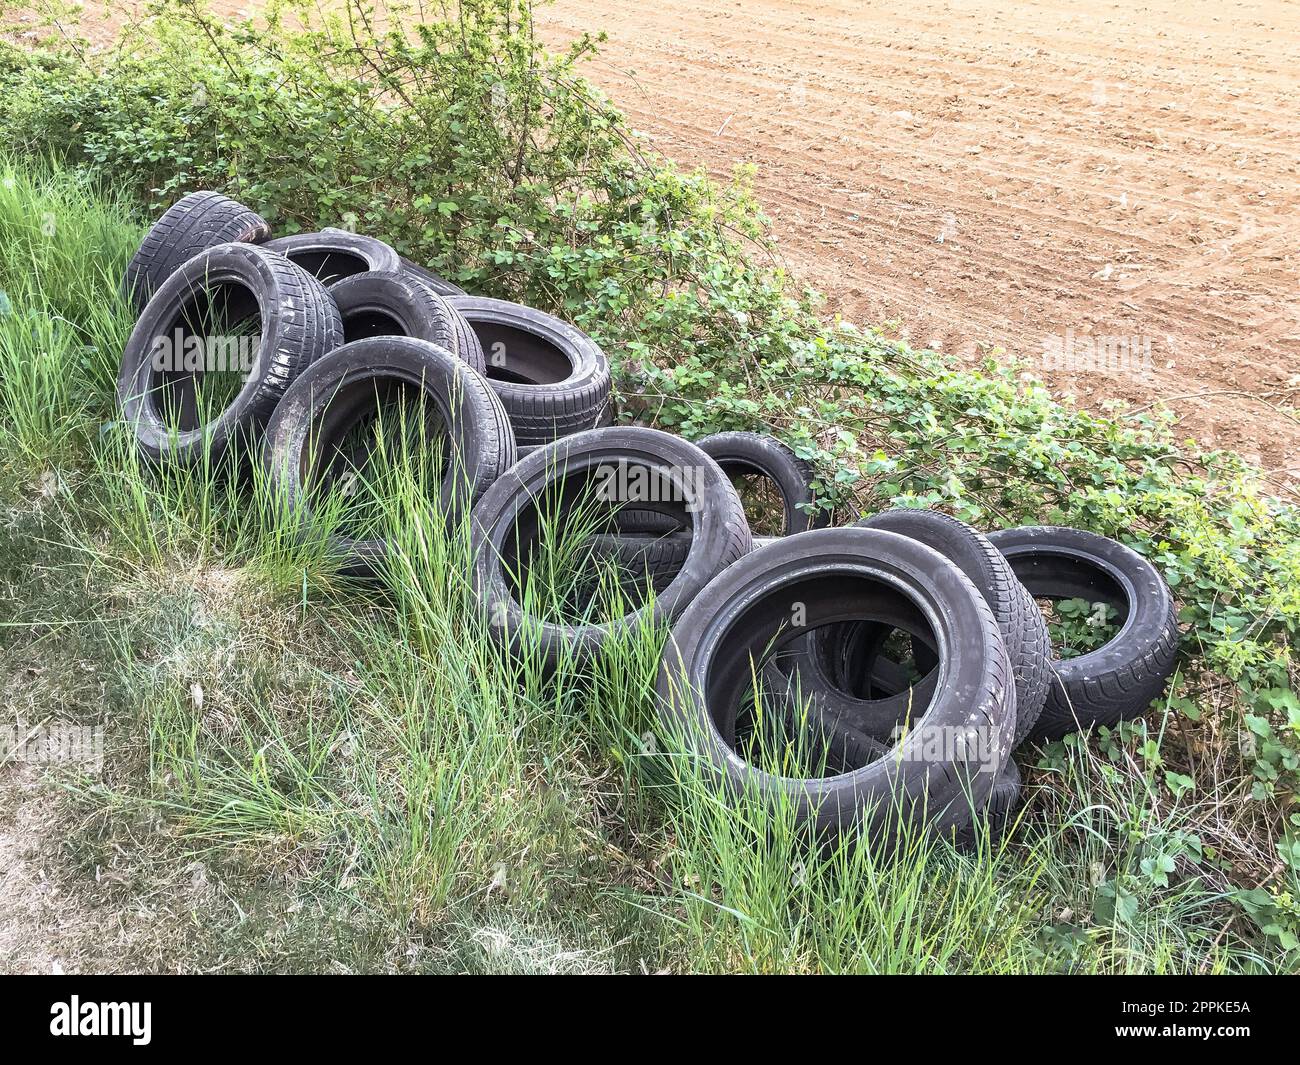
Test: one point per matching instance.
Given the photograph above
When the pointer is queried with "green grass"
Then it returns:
(307, 774)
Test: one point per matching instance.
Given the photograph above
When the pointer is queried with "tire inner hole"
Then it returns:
(203, 357)
(371, 322)
(760, 496)
(516, 356)
(770, 700)
(373, 441)
(1084, 606)
(329, 266)
(568, 559)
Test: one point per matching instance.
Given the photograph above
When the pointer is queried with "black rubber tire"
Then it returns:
(439, 286)
(336, 392)
(333, 254)
(194, 223)
(719, 535)
(552, 378)
(467, 341)
(742, 618)
(744, 452)
(376, 304)
(300, 324)
(1023, 629)
(1121, 679)
(657, 559)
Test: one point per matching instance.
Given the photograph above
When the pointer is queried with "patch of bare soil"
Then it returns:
(43, 927)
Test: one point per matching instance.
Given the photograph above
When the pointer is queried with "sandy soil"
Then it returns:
(1048, 178)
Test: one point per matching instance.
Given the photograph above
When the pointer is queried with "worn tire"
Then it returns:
(742, 617)
(300, 324)
(1120, 679)
(333, 254)
(378, 304)
(340, 390)
(719, 534)
(552, 378)
(194, 223)
(1023, 629)
(743, 452)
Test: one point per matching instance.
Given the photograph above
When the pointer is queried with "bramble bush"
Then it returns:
(477, 153)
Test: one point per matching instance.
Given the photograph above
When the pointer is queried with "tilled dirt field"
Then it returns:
(1106, 190)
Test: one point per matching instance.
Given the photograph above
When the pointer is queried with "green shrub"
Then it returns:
(470, 149)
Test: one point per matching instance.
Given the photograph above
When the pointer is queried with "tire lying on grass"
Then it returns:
(1120, 679)
(194, 223)
(312, 439)
(171, 394)
(382, 304)
(551, 377)
(839, 674)
(743, 617)
(333, 254)
(569, 477)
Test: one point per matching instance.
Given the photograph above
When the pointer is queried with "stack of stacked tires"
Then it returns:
(907, 655)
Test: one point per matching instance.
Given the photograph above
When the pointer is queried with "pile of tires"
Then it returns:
(282, 348)
(866, 676)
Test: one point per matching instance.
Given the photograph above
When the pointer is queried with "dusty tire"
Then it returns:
(333, 254)
(299, 325)
(552, 378)
(375, 304)
(506, 518)
(1120, 679)
(340, 391)
(194, 223)
(1023, 629)
(837, 575)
